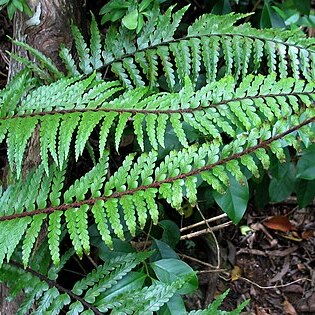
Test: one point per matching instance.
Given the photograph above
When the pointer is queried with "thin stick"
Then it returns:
(91, 261)
(253, 10)
(214, 238)
(147, 238)
(273, 286)
(197, 260)
(223, 215)
(210, 271)
(205, 231)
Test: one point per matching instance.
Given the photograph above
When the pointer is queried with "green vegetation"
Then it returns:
(215, 106)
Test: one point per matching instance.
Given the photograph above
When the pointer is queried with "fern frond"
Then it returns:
(71, 109)
(68, 61)
(82, 49)
(44, 62)
(157, 54)
(44, 295)
(149, 299)
(39, 71)
(11, 95)
(96, 45)
(213, 307)
(243, 49)
(114, 201)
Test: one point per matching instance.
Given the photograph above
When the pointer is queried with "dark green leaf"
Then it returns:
(306, 164)
(131, 282)
(170, 270)
(261, 193)
(234, 201)
(162, 251)
(303, 6)
(283, 182)
(305, 192)
(171, 233)
(222, 7)
(174, 306)
(270, 18)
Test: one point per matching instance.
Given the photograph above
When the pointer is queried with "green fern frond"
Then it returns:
(71, 108)
(114, 201)
(44, 295)
(83, 50)
(104, 277)
(149, 299)
(68, 61)
(209, 39)
(96, 45)
(215, 93)
(44, 62)
(212, 309)
(157, 54)
(11, 95)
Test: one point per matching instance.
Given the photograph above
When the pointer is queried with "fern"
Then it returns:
(259, 102)
(50, 297)
(71, 109)
(213, 307)
(136, 61)
(135, 183)
(44, 62)
(95, 293)
(208, 39)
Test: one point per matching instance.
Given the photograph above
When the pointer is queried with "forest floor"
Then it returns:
(273, 264)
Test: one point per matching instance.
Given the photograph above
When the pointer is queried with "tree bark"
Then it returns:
(46, 31)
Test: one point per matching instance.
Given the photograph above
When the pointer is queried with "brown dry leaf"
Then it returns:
(279, 223)
(260, 311)
(288, 308)
(308, 234)
(236, 273)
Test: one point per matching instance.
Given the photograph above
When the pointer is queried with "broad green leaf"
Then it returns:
(282, 185)
(171, 233)
(174, 306)
(162, 251)
(306, 164)
(270, 18)
(170, 270)
(305, 192)
(130, 21)
(234, 201)
(133, 281)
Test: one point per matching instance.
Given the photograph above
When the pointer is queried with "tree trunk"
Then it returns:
(46, 31)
